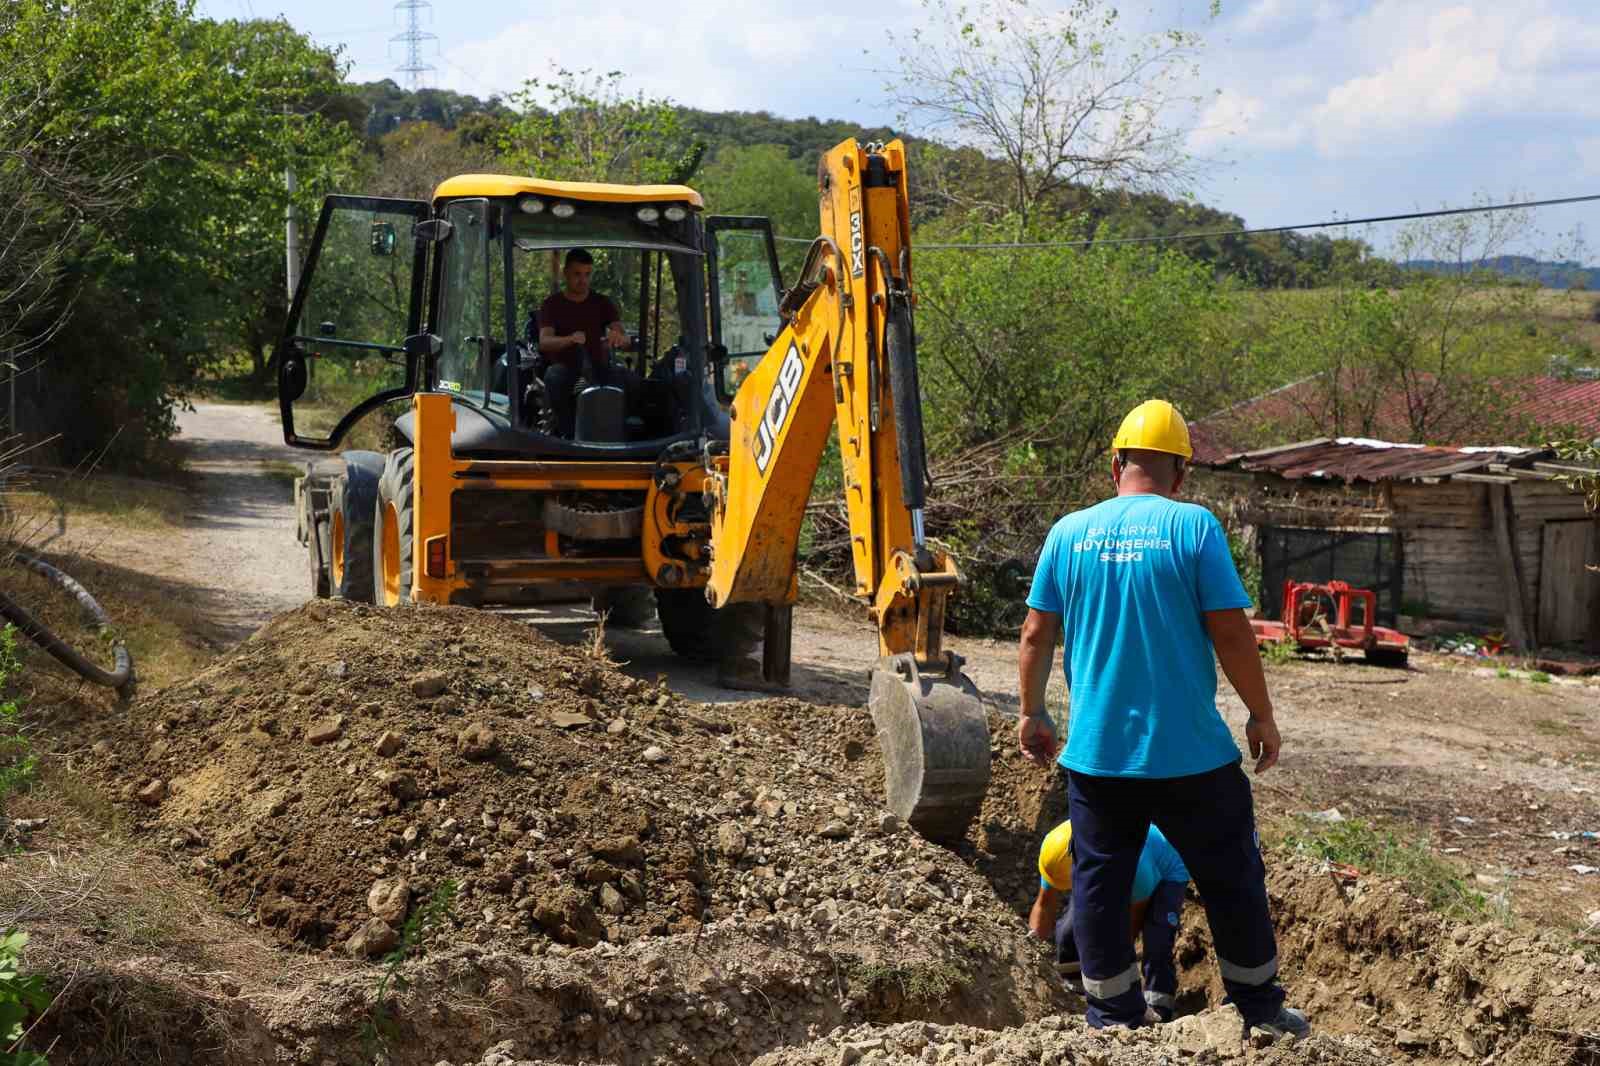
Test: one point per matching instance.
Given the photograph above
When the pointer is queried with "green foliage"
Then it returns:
(183, 260)
(584, 126)
(762, 179)
(21, 996)
(1539, 677)
(1279, 653)
(17, 761)
(381, 1027)
(1582, 453)
(1378, 851)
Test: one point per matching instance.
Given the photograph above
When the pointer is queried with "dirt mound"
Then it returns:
(1371, 959)
(345, 766)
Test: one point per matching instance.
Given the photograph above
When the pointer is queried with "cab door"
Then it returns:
(745, 290)
(343, 351)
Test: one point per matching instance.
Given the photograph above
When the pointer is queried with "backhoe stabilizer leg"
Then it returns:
(934, 736)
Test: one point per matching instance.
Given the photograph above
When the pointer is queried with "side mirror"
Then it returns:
(383, 238)
(327, 329)
(292, 377)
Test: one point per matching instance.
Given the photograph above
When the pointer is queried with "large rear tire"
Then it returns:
(351, 503)
(701, 633)
(392, 541)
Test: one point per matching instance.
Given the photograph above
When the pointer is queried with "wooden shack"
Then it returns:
(1488, 537)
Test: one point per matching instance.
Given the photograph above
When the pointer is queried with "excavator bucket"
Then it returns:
(934, 736)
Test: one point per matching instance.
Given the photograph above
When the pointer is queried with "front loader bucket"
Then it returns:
(935, 741)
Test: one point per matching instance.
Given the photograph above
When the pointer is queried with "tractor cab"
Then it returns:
(400, 297)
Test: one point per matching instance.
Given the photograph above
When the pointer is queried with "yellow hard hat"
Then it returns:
(1155, 426)
(1055, 858)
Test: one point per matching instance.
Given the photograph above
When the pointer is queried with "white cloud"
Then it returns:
(703, 53)
(1442, 65)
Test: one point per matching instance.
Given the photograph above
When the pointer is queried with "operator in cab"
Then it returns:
(578, 322)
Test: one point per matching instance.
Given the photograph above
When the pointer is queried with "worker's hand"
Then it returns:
(617, 339)
(1037, 737)
(1264, 742)
(578, 339)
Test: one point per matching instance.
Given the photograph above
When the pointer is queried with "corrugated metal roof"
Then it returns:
(1356, 459)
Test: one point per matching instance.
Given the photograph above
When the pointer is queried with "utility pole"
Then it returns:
(413, 38)
(292, 236)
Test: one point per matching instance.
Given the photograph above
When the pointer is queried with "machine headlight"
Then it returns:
(647, 214)
(676, 213)
(530, 205)
(563, 210)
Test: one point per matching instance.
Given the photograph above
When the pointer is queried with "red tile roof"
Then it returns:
(1554, 402)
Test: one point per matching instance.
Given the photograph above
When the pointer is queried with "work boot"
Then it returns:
(1287, 1022)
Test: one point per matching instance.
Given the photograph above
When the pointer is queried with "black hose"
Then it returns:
(119, 677)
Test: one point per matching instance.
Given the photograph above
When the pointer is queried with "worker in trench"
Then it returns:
(1144, 590)
(1155, 914)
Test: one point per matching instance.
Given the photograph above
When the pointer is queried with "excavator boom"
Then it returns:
(846, 356)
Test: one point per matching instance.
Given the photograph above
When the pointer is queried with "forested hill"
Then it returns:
(1286, 261)
(1565, 274)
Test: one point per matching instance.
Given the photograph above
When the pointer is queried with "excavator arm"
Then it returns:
(846, 356)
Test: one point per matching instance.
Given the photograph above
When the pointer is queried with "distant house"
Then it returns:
(1487, 536)
(1568, 401)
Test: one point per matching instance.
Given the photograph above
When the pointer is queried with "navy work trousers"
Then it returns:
(1210, 819)
(1157, 938)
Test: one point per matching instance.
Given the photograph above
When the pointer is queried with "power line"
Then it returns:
(414, 38)
(1171, 237)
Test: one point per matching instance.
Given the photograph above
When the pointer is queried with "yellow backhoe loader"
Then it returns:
(684, 478)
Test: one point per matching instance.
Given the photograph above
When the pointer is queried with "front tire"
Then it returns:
(351, 504)
(392, 526)
(701, 633)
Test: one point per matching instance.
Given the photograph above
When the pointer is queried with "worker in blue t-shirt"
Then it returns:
(1154, 911)
(1143, 589)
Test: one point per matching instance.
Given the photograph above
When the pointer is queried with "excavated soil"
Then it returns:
(632, 877)
(607, 847)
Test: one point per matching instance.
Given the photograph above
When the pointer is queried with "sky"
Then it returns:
(1310, 109)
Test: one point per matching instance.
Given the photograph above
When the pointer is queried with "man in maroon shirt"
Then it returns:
(575, 322)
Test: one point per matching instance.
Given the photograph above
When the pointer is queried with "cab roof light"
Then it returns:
(530, 205)
(563, 210)
(676, 213)
(648, 213)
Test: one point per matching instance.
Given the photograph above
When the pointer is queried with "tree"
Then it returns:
(1061, 96)
(1029, 360)
(196, 121)
(762, 179)
(584, 126)
(1427, 357)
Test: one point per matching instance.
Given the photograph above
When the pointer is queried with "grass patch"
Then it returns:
(46, 496)
(1539, 677)
(890, 987)
(282, 470)
(1372, 850)
(1552, 728)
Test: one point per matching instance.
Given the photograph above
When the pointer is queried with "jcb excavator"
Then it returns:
(687, 475)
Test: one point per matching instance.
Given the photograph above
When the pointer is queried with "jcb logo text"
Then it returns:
(779, 404)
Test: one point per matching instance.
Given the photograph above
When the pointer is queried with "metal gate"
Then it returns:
(1364, 560)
